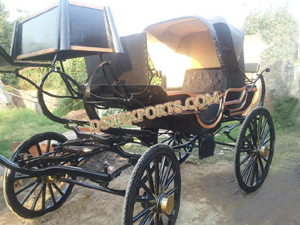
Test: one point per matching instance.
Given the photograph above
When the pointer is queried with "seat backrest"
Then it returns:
(130, 66)
(203, 80)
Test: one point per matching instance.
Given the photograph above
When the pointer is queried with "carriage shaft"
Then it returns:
(70, 170)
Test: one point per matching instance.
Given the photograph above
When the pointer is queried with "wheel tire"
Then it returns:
(55, 198)
(154, 165)
(178, 138)
(254, 152)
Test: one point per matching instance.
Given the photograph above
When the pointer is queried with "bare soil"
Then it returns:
(210, 195)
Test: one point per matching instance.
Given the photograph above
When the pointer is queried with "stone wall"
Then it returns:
(26, 99)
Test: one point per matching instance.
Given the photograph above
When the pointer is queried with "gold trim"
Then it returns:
(240, 112)
(72, 2)
(32, 54)
(212, 125)
(197, 115)
(237, 109)
(242, 95)
(180, 92)
(90, 49)
(233, 112)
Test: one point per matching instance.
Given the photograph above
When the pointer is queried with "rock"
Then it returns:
(78, 115)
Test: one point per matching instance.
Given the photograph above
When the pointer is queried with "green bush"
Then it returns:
(76, 69)
(285, 113)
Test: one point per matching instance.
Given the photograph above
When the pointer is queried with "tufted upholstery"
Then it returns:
(203, 80)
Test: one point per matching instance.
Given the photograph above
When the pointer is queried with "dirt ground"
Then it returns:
(209, 196)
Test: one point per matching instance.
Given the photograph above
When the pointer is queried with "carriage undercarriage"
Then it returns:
(43, 170)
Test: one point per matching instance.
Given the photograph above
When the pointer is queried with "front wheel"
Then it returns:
(153, 192)
(29, 196)
(254, 149)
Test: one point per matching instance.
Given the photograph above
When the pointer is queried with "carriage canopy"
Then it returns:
(194, 42)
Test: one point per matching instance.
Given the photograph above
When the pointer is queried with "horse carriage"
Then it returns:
(200, 63)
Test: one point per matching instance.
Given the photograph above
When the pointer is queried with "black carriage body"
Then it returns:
(133, 71)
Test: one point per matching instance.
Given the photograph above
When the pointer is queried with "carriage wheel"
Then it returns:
(177, 139)
(153, 192)
(29, 196)
(254, 149)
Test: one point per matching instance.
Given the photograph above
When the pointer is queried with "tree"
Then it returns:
(5, 40)
(5, 28)
(280, 31)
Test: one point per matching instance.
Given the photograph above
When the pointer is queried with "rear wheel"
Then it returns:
(153, 192)
(29, 196)
(182, 144)
(254, 149)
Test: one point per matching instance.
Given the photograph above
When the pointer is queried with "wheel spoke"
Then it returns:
(264, 159)
(157, 219)
(170, 180)
(253, 138)
(245, 159)
(25, 187)
(247, 167)
(166, 176)
(150, 179)
(162, 168)
(256, 173)
(265, 135)
(149, 192)
(255, 132)
(151, 219)
(57, 188)
(259, 126)
(261, 165)
(253, 173)
(52, 194)
(142, 199)
(142, 213)
(249, 142)
(44, 197)
(156, 174)
(248, 174)
(264, 127)
(161, 222)
(171, 191)
(38, 149)
(48, 146)
(144, 220)
(170, 217)
(247, 150)
(163, 141)
(174, 139)
(266, 141)
(37, 198)
(29, 193)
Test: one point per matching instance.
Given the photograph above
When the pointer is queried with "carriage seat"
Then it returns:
(198, 81)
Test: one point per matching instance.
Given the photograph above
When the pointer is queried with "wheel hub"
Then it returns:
(49, 179)
(167, 204)
(264, 151)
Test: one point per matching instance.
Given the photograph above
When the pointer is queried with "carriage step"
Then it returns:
(81, 149)
(206, 147)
